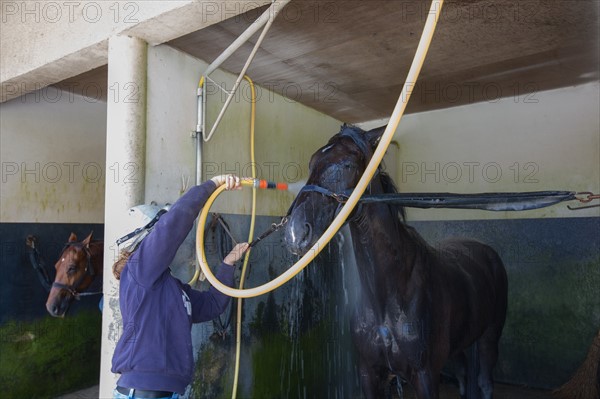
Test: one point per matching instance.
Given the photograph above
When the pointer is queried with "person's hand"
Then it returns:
(231, 182)
(236, 253)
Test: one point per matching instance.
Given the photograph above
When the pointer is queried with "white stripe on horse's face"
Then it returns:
(327, 148)
(293, 235)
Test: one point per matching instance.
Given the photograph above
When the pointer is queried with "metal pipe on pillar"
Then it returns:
(266, 18)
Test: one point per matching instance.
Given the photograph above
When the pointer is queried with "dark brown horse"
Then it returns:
(78, 267)
(419, 305)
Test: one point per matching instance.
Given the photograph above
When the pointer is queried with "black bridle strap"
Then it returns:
(357, 135)
(89, 270)
(274, 227)
(340, 197)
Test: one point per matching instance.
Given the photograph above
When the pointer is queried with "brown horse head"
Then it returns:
(79, 264)
(334, 171)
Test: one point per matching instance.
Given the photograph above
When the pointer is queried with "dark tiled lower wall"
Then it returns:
(553, 270)
(22, 296)
(296, 340)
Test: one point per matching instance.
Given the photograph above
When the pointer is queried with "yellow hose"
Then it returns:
(238, 328)
(386, 138)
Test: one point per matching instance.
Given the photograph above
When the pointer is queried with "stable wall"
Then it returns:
(510, 145)
(52, 154)
(53, 158)
(543, 141)
(287, 133)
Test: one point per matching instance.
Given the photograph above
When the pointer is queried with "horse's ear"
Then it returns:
(73, 237)
(373, 136)
(87, 240)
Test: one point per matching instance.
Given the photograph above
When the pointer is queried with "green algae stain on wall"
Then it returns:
(301, 338)
(50, 356)
(554, 313)
(296, 340)
(553, 268)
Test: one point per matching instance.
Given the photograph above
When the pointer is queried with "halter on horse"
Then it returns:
(79, 265)
(419, 305)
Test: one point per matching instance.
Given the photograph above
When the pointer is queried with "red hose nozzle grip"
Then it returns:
(271, 185)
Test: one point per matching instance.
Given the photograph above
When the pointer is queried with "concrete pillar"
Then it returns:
(125, 166)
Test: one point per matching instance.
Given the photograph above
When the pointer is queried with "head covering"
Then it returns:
(140, 220)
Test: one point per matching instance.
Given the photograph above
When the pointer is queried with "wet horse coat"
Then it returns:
(419, 305)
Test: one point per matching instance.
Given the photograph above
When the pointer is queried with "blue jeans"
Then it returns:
(119, 395)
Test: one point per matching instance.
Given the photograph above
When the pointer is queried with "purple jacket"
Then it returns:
(155, 349)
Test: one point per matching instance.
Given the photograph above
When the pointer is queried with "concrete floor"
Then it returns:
(501, 391)
(447, 391)
(87, 393)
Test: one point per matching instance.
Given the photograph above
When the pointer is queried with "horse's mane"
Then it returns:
(389, 187)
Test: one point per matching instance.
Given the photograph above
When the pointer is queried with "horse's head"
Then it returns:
(74, 274)
(334, 171)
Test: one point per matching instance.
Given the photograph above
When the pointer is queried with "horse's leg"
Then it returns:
(487, 347)
(472, 385)
(460, 372)
(488, 343)
(373, 381)
(426, 384)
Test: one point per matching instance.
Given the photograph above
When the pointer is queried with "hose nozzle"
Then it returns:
(265, 184)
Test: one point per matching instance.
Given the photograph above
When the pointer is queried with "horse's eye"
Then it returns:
(72, 269)
(348, 165)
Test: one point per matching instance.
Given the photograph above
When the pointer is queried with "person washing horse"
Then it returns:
(154, 354)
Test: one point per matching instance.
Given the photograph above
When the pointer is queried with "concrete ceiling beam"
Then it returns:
(43, 43)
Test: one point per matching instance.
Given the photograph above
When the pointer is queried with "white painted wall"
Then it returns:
(52, 147)
(52, 153)
(287, 133)
(547, 141)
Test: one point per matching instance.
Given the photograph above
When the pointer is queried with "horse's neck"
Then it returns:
(377, 236)
(385, 250)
